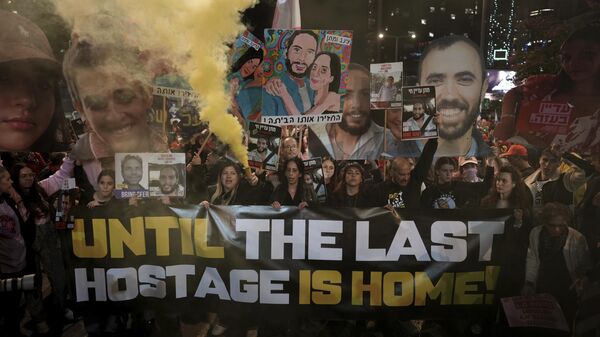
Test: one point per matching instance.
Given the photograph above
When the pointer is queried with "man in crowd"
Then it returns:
(356, 137)
(169, 182)
(290, 148)
(455, 66)
(517, 156)
(403, 189)
(262, 154)
(300, 51)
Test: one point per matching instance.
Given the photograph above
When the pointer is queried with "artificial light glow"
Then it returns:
(380, 35)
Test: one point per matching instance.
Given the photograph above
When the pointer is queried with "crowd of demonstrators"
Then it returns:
(553, 236)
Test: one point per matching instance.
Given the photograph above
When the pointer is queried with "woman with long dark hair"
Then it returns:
(292, 191)
(350, 191)
(509, 191)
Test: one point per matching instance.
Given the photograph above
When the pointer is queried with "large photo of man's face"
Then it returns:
(455, 67)
(356, 136)
(169, 181)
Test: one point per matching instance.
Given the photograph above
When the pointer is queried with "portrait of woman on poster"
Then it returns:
(31, 115)
(577, 83)
(245, 85)
(325, 76)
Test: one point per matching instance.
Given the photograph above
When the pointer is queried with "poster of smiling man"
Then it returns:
(166, 174)
(305, 75)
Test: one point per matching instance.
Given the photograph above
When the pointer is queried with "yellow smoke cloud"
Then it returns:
(191, 33)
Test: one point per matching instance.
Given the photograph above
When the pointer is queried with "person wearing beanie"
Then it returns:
(31, 117)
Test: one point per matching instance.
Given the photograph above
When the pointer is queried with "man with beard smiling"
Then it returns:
(262, 154)
(356, 136)
(301, 48)
(418, 118)
(455, 66)
(169, 182)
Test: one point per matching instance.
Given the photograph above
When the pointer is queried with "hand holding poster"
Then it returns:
(263, 146)
(305, 73)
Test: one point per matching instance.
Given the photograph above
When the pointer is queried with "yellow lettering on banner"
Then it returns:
(424, 288)
(389, 289)
(119, 237)
(187, 244)
(358, 288)
(201, 242)
(464, 283)
(162, 225)
(99, 247)
(304, 285)
(327, 285)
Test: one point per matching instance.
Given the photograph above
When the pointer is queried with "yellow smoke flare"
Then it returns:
(191, 33)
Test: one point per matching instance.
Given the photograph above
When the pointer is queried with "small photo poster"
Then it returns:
(131, 173)
(263, 146)
(166, 174)
(386, 82)
(313, 176)
(418, 113)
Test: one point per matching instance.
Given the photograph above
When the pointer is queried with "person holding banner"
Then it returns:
(106, 187)
(576, 87)
(232, 188)
(292, 191)
(350, 192)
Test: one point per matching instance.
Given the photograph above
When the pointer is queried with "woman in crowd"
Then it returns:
(557, 259)
(232, 188)
(106, 187)
(329, 174)
(509, 191)
(15, 239)
(350, 191)
(577, 83)
(324, 75)
(292, 191)
(31, 116)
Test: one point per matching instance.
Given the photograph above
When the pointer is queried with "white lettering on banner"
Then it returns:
(279, 239)
(123, 284)
(316, 240)
(151, 284)
(407, 233)
(250, 43)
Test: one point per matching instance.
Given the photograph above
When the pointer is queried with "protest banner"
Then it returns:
(331, 262)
